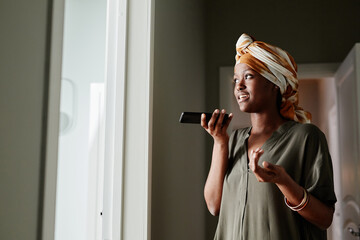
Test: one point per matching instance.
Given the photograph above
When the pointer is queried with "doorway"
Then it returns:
(316, 95)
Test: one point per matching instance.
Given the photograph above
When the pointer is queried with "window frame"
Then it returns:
(128, 133)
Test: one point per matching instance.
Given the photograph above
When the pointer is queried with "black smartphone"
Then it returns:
(195, 117)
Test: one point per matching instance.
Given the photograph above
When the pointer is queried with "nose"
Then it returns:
(240, 85)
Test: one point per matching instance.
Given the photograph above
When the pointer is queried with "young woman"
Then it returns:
(274, 179)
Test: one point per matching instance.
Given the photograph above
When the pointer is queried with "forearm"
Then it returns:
(315, 211)
(214, 183)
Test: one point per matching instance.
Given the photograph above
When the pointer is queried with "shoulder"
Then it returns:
(309, 135)
(306, 130)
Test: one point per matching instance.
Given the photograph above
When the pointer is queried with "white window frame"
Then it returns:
(52, 132)
(128, 131)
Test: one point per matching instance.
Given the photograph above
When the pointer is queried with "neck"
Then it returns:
(265, 123)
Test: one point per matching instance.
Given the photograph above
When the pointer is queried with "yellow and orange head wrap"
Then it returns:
(277, 66)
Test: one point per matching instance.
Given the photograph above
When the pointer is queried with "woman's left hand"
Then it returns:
(315, 212)
(268, 172)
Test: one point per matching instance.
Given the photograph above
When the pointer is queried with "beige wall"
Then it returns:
(309, 98)
(178, 206)
(23, 82)
(328, 100)
(318, 97)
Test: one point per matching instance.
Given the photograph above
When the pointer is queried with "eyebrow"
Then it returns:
(243, 72)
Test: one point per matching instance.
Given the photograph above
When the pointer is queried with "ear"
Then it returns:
(275, 88)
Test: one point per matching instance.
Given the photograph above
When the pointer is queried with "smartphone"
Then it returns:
(195, 117)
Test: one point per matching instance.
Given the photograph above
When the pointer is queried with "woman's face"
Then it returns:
(253, 92)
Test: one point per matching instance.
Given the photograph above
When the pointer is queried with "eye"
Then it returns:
(236, 80)
(247, 76)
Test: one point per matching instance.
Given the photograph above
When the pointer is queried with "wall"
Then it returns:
(178, 175)
(23, 85)
(309, 98)
(318, 97)
(328, 100)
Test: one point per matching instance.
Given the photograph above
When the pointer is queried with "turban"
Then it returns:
(277, 66)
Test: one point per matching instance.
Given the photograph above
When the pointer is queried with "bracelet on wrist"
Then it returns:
(301, 205)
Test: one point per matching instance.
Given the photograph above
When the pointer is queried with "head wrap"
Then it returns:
(277, 66)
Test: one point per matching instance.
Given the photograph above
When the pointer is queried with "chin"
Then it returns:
(244, 109)
(247, 108)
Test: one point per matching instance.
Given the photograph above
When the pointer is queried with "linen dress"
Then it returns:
(252, 210)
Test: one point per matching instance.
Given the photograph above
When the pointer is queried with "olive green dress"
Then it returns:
(252, 210)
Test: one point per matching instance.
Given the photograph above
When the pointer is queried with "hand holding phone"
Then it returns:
(195, 117)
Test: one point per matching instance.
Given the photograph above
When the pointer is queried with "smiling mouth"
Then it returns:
(242, 97)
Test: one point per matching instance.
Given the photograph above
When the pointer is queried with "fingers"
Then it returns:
(228, 120)
(217, 119)
(254, 159)
(268, 173)
(211, 124)
(219, 122)
(216, 126)
(274, 171)
(203, 121)
(268, 165)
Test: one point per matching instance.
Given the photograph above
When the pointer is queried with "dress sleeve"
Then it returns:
(318, 169)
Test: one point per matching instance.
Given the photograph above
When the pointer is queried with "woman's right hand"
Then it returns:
(214, 183)
(215, 128)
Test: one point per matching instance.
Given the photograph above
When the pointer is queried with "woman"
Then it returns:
(272, 180)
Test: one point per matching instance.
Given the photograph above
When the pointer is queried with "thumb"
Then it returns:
(268, 166)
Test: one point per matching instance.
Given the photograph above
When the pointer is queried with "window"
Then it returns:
(127, 158)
